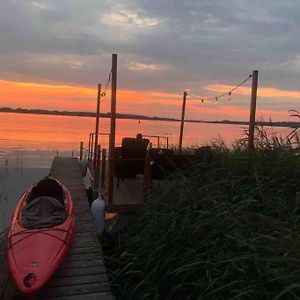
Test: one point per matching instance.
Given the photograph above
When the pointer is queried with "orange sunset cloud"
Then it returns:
(79, 98)
(262, 91)
(234, 112)
(76, 98)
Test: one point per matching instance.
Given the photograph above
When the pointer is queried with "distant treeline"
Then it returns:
(261, 123)
(79, 114)
(138, 117)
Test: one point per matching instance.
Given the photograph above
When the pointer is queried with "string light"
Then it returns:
(229, 93)
(103, 94)
(229, 96)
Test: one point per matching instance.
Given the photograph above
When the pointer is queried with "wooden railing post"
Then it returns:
(89, 152)
(97, 169)
(252, 110)
(103, 168)
(81, 151)
(92, 145)
(147, 177)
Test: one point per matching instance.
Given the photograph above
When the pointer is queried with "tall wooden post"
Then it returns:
(252, 110)
(112, 128)
(97, 125)
(182, 120)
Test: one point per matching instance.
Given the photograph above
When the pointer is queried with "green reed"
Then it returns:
(227, 228)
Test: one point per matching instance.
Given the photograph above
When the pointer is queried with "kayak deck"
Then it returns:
(82, 275)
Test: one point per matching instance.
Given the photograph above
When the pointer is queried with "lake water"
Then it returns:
(28, 140)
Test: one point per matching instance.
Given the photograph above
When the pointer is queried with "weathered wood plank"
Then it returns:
(84, 250)
(91, 296)
(77, 280)
(82, 275)
(84, 243)
(79, 271)
(83, 256)
(69, 290)
(82, 264)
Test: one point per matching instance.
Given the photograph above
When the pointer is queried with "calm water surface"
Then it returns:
(28, 140)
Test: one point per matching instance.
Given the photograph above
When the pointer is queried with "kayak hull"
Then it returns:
(33, 255)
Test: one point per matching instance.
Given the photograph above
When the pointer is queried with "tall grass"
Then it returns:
(224, 229)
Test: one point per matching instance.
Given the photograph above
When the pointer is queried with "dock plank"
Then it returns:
(77, 289)
(79, 271)
(82, 275)
(90, 296)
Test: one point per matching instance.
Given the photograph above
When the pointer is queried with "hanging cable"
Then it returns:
(229, 93)
(106, 86)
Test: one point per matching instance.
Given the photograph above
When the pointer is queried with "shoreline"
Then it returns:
(141, 117)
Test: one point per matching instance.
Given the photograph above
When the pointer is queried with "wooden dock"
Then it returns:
(82, 275)
(127, 197)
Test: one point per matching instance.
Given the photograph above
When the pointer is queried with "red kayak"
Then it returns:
(40, 234)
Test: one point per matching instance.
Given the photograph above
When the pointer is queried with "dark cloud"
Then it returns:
(186, 44)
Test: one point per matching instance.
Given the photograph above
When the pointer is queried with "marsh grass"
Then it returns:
(227, 229)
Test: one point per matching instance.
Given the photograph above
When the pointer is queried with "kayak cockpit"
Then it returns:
(45, 205)
(47, 187)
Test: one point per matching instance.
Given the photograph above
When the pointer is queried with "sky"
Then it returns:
(53, 53)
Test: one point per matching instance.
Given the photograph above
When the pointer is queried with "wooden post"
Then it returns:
(182, 120)
(252, 110)
(147, 177)
(92, 145)
(158, 142)
(89, 146)
(97, 168)
(112, 128)
(97, 125)
(81, 151)
(167, 143)
(103, 167)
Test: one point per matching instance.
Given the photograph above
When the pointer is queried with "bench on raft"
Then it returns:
(161, 163)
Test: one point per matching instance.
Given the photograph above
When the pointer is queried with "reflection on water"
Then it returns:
(23, 133)
(28, 140)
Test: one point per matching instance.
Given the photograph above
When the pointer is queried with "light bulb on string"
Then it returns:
(229, 96)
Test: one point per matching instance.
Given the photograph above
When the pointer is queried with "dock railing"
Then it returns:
(99, 165)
